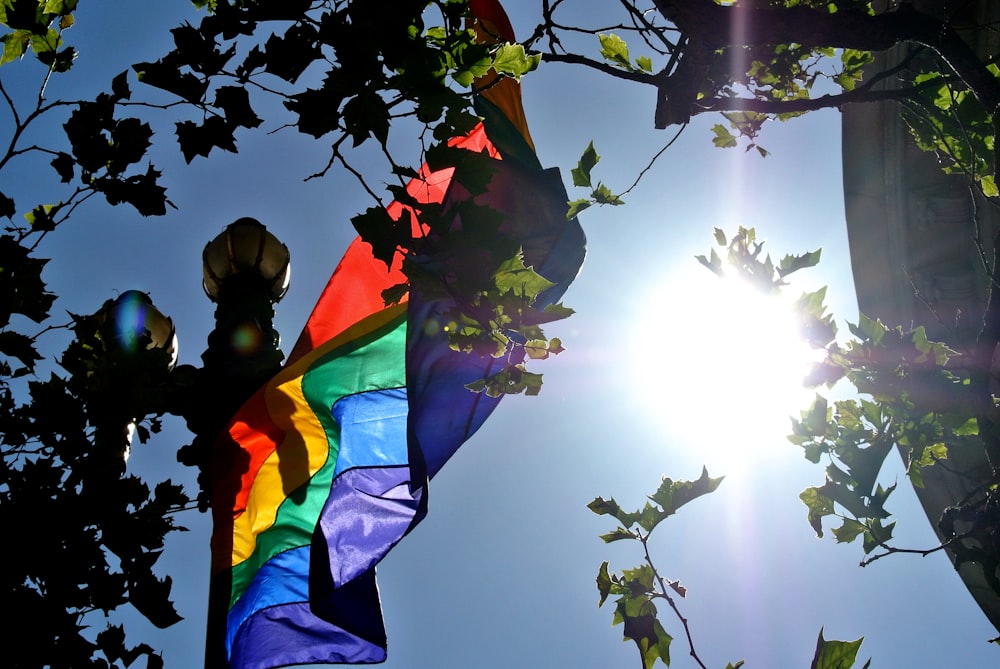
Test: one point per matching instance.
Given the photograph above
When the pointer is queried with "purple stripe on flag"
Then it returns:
(367, 513)
(290, 634)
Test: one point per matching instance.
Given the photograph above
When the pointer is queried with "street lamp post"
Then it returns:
(246, 271)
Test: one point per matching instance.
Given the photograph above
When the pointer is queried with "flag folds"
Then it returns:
(325, 468)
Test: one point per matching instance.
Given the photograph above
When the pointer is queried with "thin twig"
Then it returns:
(890, 550)
(653, 160)
(670, 600)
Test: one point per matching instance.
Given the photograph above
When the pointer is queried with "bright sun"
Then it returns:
(719, 368)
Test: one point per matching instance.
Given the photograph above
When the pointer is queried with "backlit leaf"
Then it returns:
(581, 173)
(614, 50)
(511, 59)
(672, 495)
(835, 654)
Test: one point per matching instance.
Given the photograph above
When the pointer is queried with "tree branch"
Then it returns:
(606, 68)
(710, 27)
(809, 104)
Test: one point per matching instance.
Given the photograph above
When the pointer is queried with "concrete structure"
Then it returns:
(911, 230)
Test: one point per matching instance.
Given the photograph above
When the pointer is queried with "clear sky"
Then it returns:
(654, 382)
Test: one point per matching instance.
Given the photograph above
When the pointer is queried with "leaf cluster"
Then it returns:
(348, 68)
(638, 589)
(599, 193)
(473, 262)
(37, 26)
(910, 401)
(916, 396)
(64, 492)
(946, 118)
(743, 256)
(102, 150)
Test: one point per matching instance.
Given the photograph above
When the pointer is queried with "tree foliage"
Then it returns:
(639, 589)
(347, 72)
(908, 394)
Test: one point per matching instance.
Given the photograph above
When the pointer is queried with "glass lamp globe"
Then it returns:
(246, 248)
(134, 318)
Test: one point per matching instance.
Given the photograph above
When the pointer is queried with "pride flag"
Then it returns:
(325, 468)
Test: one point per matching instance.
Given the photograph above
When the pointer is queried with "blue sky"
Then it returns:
(501, 573)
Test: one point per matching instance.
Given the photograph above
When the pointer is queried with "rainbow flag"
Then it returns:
(325, 468)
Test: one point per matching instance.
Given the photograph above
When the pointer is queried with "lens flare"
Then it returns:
(130, 320)
(247, 339)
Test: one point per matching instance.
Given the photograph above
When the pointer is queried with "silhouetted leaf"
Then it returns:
(63, 165)
(7, 206)
(199, 140)
(166, 75)
(142, 191)
(235, 103)
(289, 55)
(20, 346)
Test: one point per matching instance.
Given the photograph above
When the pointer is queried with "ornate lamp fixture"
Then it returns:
(135, 322)
(247, 249)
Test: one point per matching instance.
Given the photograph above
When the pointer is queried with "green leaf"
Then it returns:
(876, 535)
(792, 263)
(968, 428)
(513, 276)
(539, 349)
(819, 506)
(641, 626)
(581, 173)
(511, 380)
(617, 535)
(816, 418)
(603, 583)
(720, 236)
(609, 507)
(511, 59)
(868, 330)
(988, 183)
(59, 7)
(603, 195)
(645, 64)
(848, 531)
(640, 580)
(576, 206)
(672, 495)
(835, 654)
(714, 264)
(614, 50)
(933, 454)
(723, 138)
(552, 312)
(14, 45)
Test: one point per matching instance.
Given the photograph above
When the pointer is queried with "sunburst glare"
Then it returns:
(718, 368)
